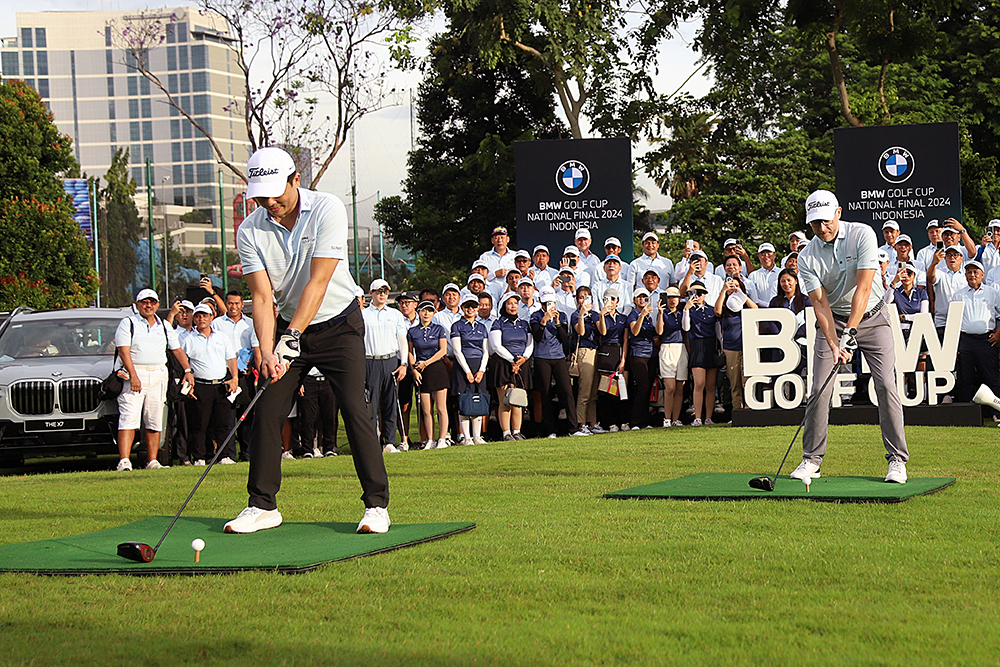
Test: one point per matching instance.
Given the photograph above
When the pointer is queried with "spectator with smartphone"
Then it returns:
(640, 358)
(699, 321)
(610, 360)
(550, 330)
(512, 345)
(612, 248)
(698, 271)
(651, 281)
(581, 270)
(651, 259)
(729, 309)
(989, 252)
(673, 355)
(583, 345)
(612, 279)
(583, 240)
(910, 299)
(733, 248)
(955, 235)
(564, 287)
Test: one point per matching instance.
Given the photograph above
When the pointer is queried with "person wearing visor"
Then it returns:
(427, 345)
(640, 361)
(611, 353)
(699, 322)
(550, 330)
(512, 345)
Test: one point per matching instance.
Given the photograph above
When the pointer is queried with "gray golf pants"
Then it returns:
(875, 342)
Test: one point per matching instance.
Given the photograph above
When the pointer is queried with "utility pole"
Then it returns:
(381, 245)
(222, 237)
(149, 208)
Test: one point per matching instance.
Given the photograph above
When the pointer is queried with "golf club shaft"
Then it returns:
(819, 393)
(218, 451)
(399, 407)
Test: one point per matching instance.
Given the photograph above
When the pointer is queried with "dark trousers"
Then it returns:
(210, 417)
(178, 421)
(639, 382)
(545, 371)
(317, 407)
(977, 364)
(244, 433)
(339, 353)
(381, 388)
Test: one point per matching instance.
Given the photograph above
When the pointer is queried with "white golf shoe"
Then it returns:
(375, 520)
(806, 469)
(897, 472)
(253, 519)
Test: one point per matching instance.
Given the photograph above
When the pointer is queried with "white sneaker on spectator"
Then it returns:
(719, 407)
(332, 452)
(317, 453)
(479, 440)
(253, 519)
(226, 461)
(696, 422)
(806, 469)
(596, 429)
(624, 427)
(635, 428)
(124, 465)
(582, 432)
(390, 449)
(307, 455)
(551, 436)
(666, 423)
(613, 429)
(709, 422)
(442, 443)
(897, 472)
(287, 456)
(155, 465)
(648, 426)
(430, 444)
(678, 422)
(375, 520)
(199, 462)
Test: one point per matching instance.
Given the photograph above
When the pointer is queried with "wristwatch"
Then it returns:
(294, 333)
(853, 332)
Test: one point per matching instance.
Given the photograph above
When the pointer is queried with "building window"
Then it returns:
(137, 175)
(171, 57)
(133, 86)
(172, 84)
(185, 82)
(113, 134)
(202, 104)
(9, 64)
(188, 129)
(188, 151)
(109, 57)
(42, 58)
(111, 87)
(107, 35)
(147, 107)
(40, 38)
(144, 86)
(206, 123)
(43, 88)
(203, 150)
(182, 57)
(28, 61)
(111, 109)
(189, 196)
(133, 108)
(147, 153)
(178, 177)
(205, 170)
(147, 130)
(199, 81)
(199, 56)
(182, 32)
(189, 174)
(211, 238)
(25, 38)
(171, 33)
(175, 129)
(134, 133)
(175, 151)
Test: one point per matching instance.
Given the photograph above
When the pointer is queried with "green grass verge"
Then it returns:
(554, 573)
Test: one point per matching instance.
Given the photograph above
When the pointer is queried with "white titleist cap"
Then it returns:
(146, 294)
(821, 205)
(267, 172)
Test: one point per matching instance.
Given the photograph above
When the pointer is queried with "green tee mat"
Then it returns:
(734, 486)
(290, 548)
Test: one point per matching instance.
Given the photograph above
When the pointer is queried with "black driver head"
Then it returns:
(762, 483)
(136, 551)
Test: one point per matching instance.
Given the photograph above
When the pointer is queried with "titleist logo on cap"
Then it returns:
(258, 172)
(817, 204)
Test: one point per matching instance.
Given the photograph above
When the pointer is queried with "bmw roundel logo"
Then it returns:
(572, 177)
(896, 164)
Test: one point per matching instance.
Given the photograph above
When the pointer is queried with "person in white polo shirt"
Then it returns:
(583, 240)
(698, 270)
(213, 361)
(142, 341)
(522, 262)
(989, 256)
(762, 284)
(651, 259)
(924, 254)
(385, 361)
(890, 232)
(544, 274)
(796, 242)
(837, 269)
(499, 259)
(612, 279)
(733, 248)
(581, 270)
(978, 362)
(612, 248)
(294, 247)
(528, 304)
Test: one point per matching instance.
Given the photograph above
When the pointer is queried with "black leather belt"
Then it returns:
(871, 313)
(197, 381)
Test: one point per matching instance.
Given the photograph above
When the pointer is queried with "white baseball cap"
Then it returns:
(612, 258)
(202, 308)
(475, 276)
(525, 281)
(730, 242)
(993, 223)
(571, 250)
(377, 284)
(522, 253)
(187, 304)
(640, 291)
(821, 205)
(798, 233)
(891, 224)
(612, 240)
(904, 238)
(267, 172)
(974, 264)
(765, 247)
(454, 287)
(582, 233)
(468, 297)
(546, 295)
(146, 294)
(650, 235)
(699, 253)
(541, 248)
(933, 223)
(480, 264)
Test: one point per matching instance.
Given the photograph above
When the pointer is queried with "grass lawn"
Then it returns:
(554, 574)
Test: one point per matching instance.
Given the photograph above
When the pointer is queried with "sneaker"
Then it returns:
(332, 452)
(317, 453)
(897, 472)
(709, 422)
(199, 462)
(696, 422)
(185, 462)
(635, 428)
(508, 438)
(155, 465)
(307, 455)
(390, 449)
(586, 429)
(518, 435)
(624, 427)
(479, 441)
(582, 432)
(806, 469)
(287, 456)
(596, 429)
(552, 436)
(442, 444)
(667, 423)
(253, 519)
(678, 422)
(719, 408)
(124, 465)
(613, 429)
(647, 426)
(375, 520)
(226, 461)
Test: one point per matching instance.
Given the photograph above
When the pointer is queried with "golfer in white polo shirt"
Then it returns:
(295, 247)
(837, 269)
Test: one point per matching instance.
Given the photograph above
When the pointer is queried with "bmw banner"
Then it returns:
(906, 173)
(565, 185)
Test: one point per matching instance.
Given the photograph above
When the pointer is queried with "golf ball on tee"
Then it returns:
(198, 544)
(807, 481)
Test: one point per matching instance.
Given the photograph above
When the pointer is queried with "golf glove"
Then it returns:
(287, 349)
(849, 340)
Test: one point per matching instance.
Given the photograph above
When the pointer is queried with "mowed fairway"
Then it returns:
(554, 574)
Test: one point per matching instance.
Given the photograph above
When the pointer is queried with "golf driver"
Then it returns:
(767, 483)
(144, 553)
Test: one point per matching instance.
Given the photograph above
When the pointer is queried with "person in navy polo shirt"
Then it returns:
(641, 332)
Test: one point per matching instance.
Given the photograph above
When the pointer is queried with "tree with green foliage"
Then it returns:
(120, 230)
(460, 182)
(42, 244)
